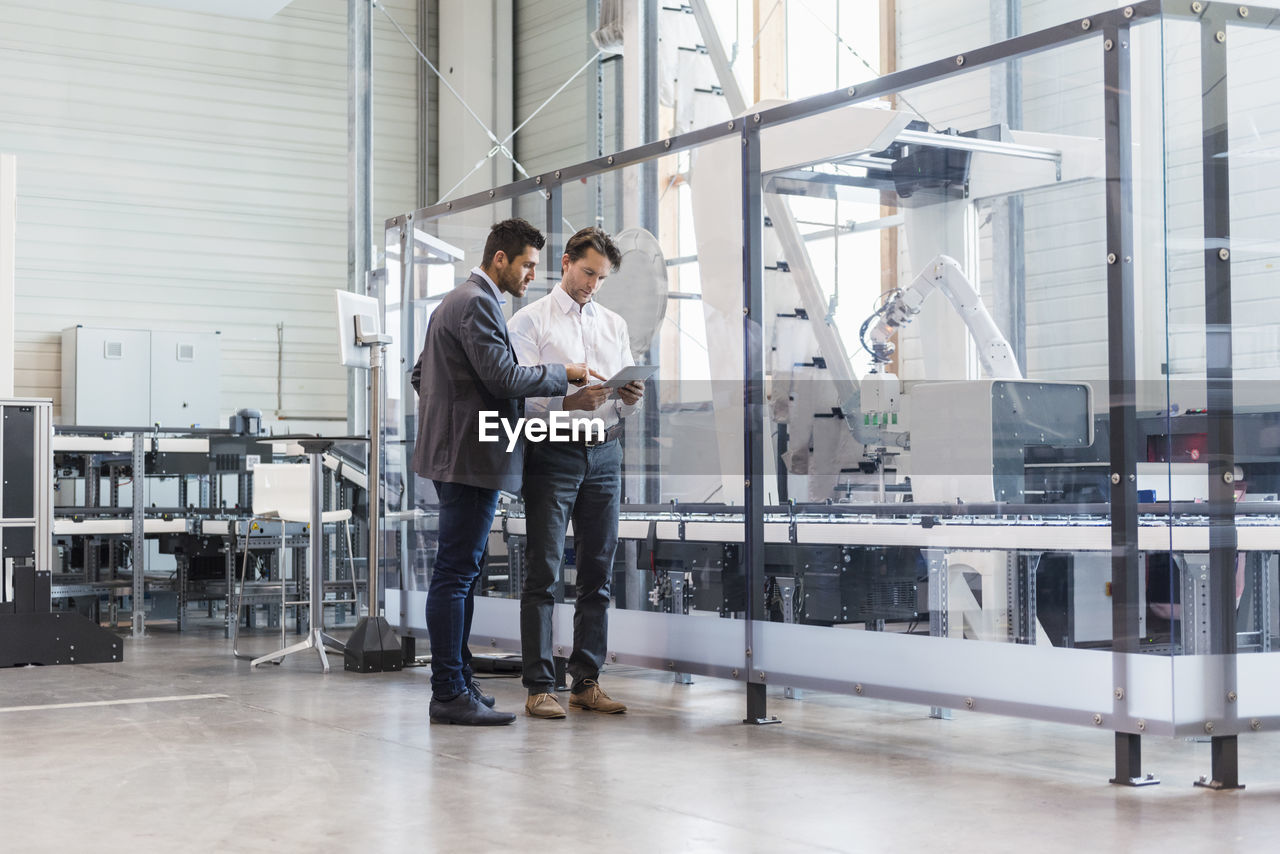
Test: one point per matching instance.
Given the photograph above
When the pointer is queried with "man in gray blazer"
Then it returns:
(468, 367)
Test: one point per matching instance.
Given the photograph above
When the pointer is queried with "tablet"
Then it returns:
(630, 374)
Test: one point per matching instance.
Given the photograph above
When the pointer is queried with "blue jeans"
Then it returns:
(563, 481)
(466, 514)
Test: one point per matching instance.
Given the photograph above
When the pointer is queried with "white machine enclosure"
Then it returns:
(132, 377)
(968, 439)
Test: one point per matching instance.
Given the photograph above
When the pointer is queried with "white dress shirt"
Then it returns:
(556, 329)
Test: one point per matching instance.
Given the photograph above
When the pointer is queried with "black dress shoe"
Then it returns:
(466, 710)
(474, 688)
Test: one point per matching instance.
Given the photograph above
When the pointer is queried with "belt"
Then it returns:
(610, 434)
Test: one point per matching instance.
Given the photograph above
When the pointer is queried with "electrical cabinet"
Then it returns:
(186, 374)
(31, 632)
(139, 377)
(26, 503)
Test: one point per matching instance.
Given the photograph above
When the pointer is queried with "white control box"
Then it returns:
(140, 378)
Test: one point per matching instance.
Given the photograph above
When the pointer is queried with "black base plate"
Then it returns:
(1216, 785)
(373, 647)
(1146, 780)
(56, 638)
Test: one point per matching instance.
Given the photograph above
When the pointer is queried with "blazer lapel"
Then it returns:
(484, 287)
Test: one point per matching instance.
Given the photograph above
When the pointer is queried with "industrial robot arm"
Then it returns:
(944, 274)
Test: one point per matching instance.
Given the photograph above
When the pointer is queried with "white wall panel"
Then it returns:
(189, 171)
(553, 40)
(8, 195)
(933, 29)
(476, 58)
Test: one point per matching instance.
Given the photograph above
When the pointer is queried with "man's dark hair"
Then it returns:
(593, 238)
(511, 236)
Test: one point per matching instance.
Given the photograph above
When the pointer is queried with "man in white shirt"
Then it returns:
(578, 480)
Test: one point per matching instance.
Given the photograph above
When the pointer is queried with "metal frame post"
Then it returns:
(649, 120)
(373, 482)
(753, 406)
(1220, 400)
(555, 236)
(409, 417)
(645, 429)
(426, 89)
(359, 170)
(182, 566)
(229, 616)
(138, 542)
(1122, 368)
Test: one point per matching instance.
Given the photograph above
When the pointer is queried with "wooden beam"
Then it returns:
(769, 55)
(889, 199)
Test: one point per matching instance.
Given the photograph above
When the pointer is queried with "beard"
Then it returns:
(511, 278)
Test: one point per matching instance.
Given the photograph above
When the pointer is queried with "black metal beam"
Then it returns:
(1220, 401)
(1220, 396)
(1129, 761)
(1254, 17)
(1122, 382)
(1121, 345)
(753, 406)
(556, 237)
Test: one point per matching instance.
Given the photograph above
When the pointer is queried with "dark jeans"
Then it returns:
(466, 514)
(564, 480)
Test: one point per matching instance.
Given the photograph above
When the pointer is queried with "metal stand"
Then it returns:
(757, 710)
(1129, 762)
(1126, 577)
(138, 545)
(374, 646)
(316, 638)
(1219, 375)
(1225, 763)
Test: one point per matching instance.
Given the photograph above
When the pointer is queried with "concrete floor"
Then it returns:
(289, 759)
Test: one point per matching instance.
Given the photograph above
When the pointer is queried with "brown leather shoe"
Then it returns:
(543, 706)
(593, 698)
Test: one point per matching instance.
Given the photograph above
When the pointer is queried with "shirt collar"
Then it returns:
(567, 305)
(497, 294)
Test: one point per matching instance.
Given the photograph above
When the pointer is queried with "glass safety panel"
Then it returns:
(1223, 320)
(939, 350)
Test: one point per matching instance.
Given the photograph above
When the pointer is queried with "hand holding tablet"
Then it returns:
(632, 373)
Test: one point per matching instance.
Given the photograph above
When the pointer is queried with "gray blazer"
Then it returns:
(467, 366)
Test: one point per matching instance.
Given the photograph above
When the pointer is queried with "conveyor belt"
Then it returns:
(124, 445)
(1257, 533)
(83, 527)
